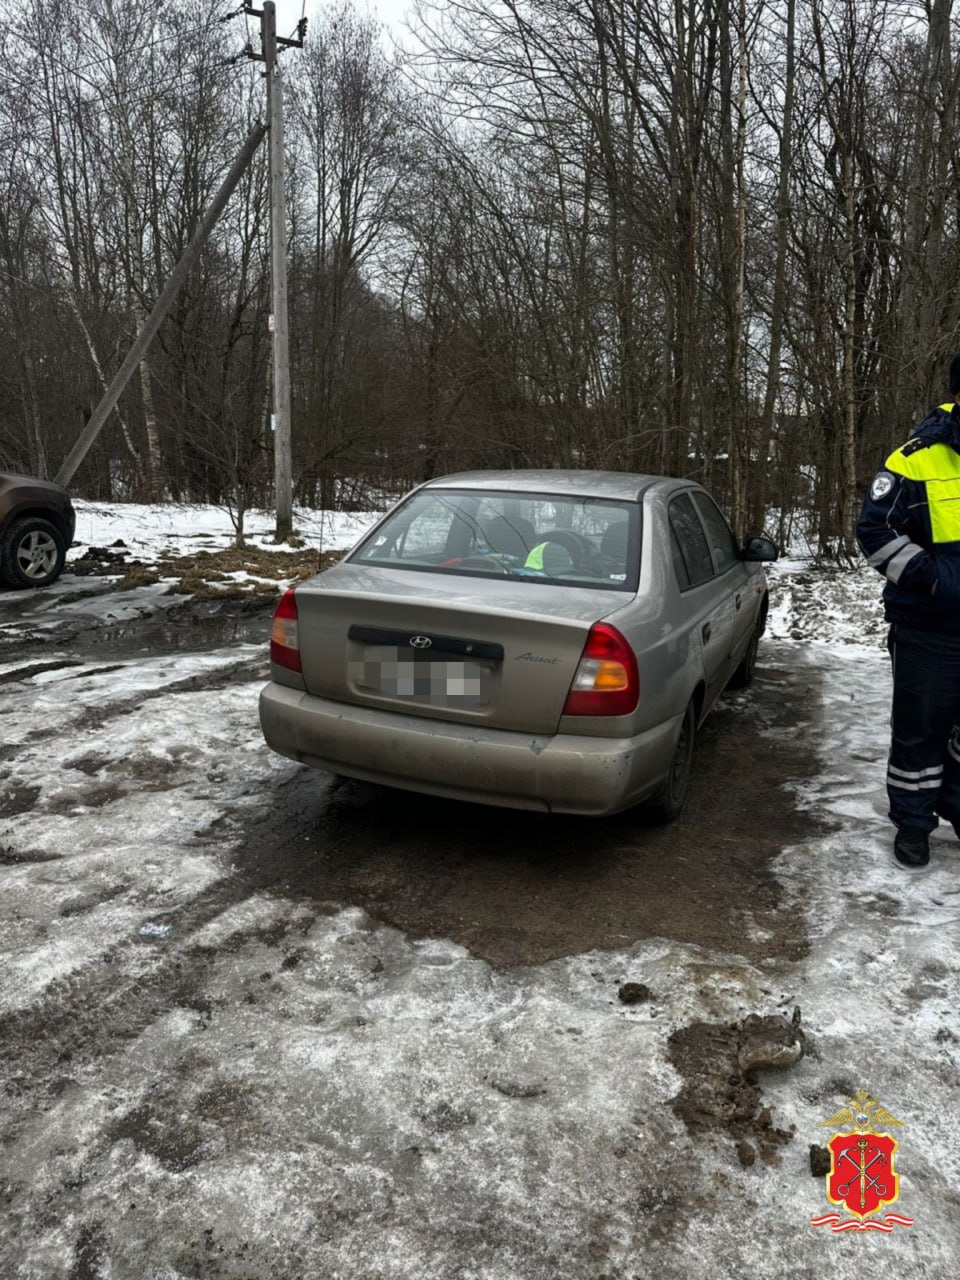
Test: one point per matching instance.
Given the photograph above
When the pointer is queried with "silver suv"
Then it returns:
(37, 521)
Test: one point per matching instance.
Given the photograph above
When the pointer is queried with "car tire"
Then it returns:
(669, 800)
(742, 677)
(32, 553)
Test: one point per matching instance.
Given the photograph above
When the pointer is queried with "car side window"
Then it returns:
(686, 527)
(722, 541)
(679, 564)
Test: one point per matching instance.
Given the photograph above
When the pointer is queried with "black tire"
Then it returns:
(32, 553)
(742, 678)
(669, 800)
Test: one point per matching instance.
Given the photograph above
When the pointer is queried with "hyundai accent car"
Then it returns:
(37, 523)
(546, 640)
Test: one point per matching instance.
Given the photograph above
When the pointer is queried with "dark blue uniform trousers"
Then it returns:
(923, 774)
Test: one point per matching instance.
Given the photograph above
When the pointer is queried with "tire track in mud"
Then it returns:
(549, 889)
(394, 862)
(519, 888)
(83, 1019)
(243, 671)
(78, 1019)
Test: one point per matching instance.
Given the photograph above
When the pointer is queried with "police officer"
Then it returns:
(909, 530)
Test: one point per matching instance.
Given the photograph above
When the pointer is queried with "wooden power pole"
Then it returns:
(279, 323)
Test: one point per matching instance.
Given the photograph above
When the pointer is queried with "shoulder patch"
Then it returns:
(914, 445)
(882, 484)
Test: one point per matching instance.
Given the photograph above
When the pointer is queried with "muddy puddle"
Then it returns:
(519, 888)
(195, 630)
(186, 627)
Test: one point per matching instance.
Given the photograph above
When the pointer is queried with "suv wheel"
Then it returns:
(32, 553)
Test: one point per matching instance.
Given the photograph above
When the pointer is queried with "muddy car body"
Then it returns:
(37, 523)
(537, 639)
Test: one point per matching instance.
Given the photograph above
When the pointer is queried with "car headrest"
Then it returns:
(509, 536)
(614, 541)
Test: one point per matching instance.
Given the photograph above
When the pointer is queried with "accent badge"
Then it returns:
(862, 1176)
(882, 484)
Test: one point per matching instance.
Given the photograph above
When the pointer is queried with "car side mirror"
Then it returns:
(759, 549)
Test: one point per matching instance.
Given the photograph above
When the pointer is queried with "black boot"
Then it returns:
(911, 849)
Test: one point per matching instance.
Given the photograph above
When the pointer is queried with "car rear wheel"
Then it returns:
(743, 676)
(32, 553)
(668, 802)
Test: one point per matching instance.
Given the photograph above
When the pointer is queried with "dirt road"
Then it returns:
(381, 1036)
(519, 888)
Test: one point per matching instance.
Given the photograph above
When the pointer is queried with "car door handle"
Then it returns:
(705, 632)
(738, 599)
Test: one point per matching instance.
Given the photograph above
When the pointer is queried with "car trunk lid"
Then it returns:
(499, 653)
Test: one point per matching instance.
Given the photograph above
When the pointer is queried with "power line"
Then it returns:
(98, 85)
(107, 59)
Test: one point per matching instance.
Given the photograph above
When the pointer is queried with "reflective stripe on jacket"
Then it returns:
(535, 559)
(909, 527)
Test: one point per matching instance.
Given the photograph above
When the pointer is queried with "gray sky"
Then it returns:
(390, 12)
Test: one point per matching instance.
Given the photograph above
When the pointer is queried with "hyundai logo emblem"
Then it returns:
(421, 642)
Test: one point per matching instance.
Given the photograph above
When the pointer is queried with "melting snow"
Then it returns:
(329, 1098)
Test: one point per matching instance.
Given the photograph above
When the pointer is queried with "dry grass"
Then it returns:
(139, 575)
(263, 564)
(206, 574)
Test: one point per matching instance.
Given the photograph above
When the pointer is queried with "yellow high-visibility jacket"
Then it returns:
(909, 526)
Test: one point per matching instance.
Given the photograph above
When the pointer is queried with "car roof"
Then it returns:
(622, 485)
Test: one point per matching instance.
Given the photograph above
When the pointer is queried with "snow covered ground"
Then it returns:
(153, 531)
(275, 1089)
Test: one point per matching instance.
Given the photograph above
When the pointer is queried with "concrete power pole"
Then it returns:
(160, 308)
(279, 325)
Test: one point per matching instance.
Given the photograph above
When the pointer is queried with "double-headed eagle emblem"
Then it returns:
(862, 1113)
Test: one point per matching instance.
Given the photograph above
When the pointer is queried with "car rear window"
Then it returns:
(545, 538)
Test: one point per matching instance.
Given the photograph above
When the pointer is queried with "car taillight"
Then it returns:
(284, 644)
(607, 682)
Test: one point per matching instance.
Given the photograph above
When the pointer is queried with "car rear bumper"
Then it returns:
(565, 773)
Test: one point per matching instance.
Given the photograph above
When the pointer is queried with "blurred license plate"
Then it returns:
(438, 680)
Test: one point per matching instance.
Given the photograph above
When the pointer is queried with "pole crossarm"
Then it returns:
(268, 37)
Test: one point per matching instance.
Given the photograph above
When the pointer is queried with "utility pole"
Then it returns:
(160, 308)
(279, 325)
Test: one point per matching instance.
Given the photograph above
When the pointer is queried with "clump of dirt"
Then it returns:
(718, 1062)
(18, 798)
(90, 796)
(103, 560)
(157, 1129)
(634, 993)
